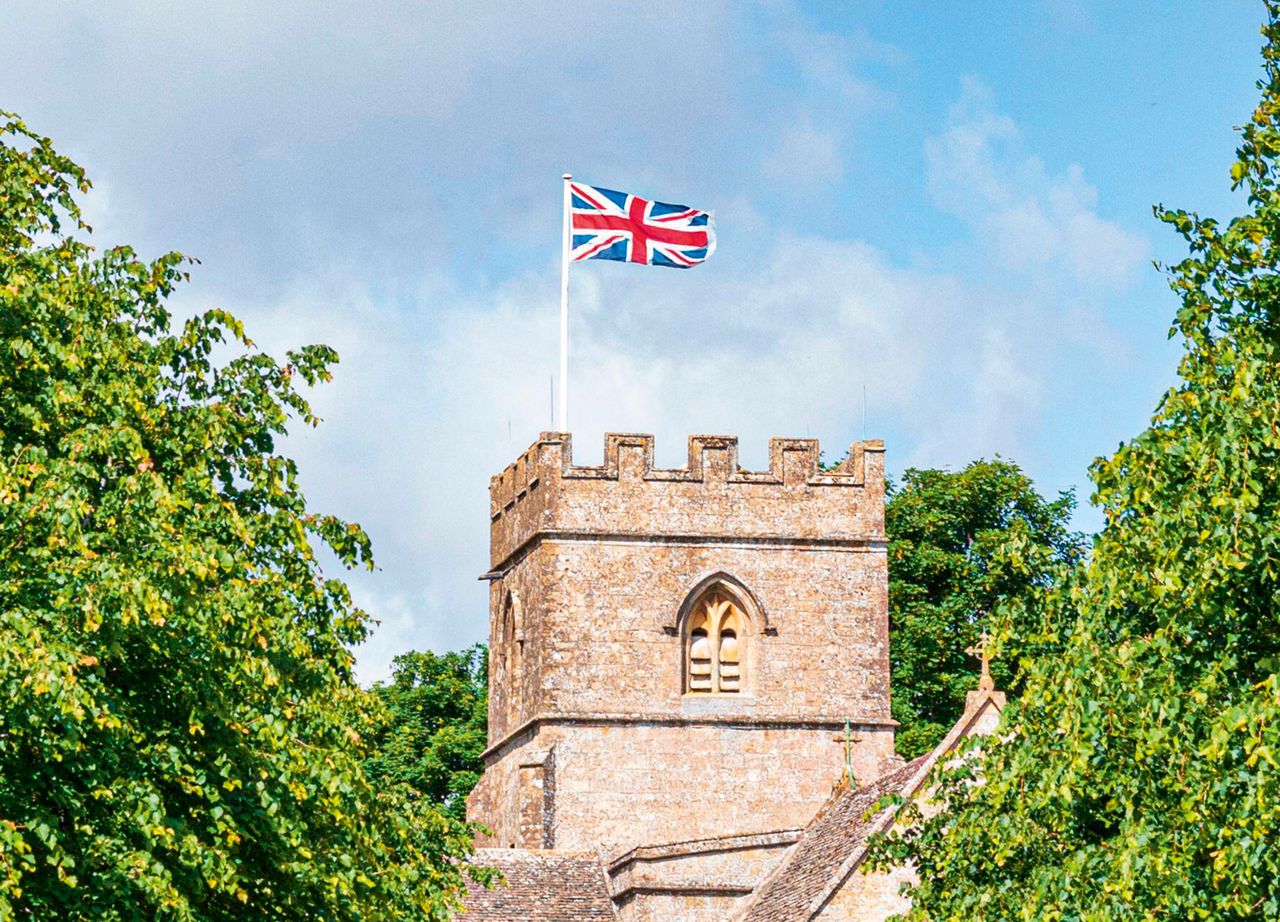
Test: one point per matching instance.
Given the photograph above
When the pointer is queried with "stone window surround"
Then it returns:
(756, 624)
(512, 655)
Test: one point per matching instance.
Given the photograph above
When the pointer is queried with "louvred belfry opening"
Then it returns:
(714, 661)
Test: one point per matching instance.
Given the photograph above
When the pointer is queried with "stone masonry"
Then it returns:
(596, 741)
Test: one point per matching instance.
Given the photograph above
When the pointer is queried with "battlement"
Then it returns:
(711, 498)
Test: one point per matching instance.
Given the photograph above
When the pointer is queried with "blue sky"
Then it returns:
(948, 204)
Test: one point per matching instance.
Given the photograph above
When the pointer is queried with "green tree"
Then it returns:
(180, 737)
(961, 543)
(438, 726)
(1138, 776)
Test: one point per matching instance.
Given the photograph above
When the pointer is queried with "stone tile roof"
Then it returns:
(841, 827)
(541, 886)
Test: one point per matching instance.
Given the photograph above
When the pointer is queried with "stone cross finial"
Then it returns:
(849, 738)
(980, 651)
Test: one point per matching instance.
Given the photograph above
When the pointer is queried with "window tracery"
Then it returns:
(715, 660)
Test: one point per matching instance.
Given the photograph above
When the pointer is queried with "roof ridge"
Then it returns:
(841, 794)
(917, 772)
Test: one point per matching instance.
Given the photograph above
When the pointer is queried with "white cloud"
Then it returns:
(1030, 220)
(382, 179)
(832, 61)
(419, 418)
(805, 155)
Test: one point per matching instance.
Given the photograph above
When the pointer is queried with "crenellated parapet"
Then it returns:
(711, 498)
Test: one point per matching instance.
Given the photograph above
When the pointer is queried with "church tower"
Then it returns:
(675, 654)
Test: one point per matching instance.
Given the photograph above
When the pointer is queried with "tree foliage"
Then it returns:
(961, 542)
(437, 728)
(1138, 776)
(181, 735)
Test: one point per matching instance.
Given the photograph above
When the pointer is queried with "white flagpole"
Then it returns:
(562, 423)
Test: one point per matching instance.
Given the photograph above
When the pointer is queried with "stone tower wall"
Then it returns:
(590, 569)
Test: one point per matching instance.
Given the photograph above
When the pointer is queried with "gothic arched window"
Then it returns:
(509, 656)
(715, 645)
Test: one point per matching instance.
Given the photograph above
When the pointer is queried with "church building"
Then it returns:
(689, 687)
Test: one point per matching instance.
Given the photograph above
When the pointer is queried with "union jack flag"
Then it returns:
(615, 225)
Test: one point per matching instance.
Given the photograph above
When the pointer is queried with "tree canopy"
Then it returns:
(1138, 776)
(181, 737)
(437, 726)
(960, 543)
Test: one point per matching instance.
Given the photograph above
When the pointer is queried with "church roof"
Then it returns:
(835, 841)
(541, 886)
(839, 829)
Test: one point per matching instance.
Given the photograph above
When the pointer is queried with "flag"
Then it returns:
(616, 225)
